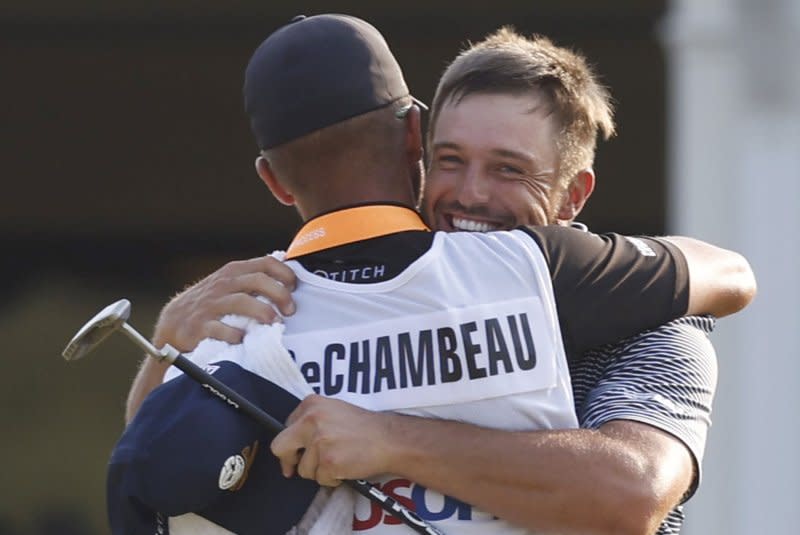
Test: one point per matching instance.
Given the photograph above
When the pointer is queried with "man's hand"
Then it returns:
(328, 440)
(195, 313)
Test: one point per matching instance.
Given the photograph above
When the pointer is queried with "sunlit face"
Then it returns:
(493, 164)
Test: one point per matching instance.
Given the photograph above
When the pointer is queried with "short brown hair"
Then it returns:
(507, 62)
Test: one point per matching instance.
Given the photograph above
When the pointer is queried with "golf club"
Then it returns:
(115, 316)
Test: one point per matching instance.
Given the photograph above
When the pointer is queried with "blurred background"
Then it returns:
(127, 164)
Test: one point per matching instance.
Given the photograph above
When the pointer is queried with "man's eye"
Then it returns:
(450, 159)
(510, 169)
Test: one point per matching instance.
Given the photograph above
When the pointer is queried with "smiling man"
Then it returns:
(512, 141)
(514, 127)
(489, 169)
(513, 132)
(493, 164)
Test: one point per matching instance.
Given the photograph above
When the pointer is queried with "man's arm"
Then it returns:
(570, 481)
(609, 287)
(195, 314)
(721, 282)
(661, 382)
(649, 399)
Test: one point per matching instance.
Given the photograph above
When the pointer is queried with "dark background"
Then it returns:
(128, 172)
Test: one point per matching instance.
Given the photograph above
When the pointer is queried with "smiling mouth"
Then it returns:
(471, 225)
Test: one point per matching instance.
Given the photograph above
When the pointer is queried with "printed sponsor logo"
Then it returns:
(309, 236)
(362, 274)
(220, 395)
(429, 505)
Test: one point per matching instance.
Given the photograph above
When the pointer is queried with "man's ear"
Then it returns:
(577, 194)
(414, 135)
(264, 171)
(414, 153)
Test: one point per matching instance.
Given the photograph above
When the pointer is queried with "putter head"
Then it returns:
(98, 329)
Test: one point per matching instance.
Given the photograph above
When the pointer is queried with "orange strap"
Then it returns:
(352, 225)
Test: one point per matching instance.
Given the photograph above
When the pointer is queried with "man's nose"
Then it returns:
(474, 188)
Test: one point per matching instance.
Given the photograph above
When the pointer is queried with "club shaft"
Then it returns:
(227, 394)
(240, 403)
(168, 353)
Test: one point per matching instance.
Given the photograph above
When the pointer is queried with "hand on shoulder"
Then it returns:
(195, 313)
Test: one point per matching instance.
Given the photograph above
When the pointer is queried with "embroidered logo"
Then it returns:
(312, 235)
(642, 247)
(236, 468)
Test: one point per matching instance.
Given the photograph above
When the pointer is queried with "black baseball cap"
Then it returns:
(318, 71)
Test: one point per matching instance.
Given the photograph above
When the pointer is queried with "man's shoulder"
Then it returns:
(485, 237)
(504, 246)
(514, 239)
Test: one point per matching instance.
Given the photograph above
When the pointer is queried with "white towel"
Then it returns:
(262, 352)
